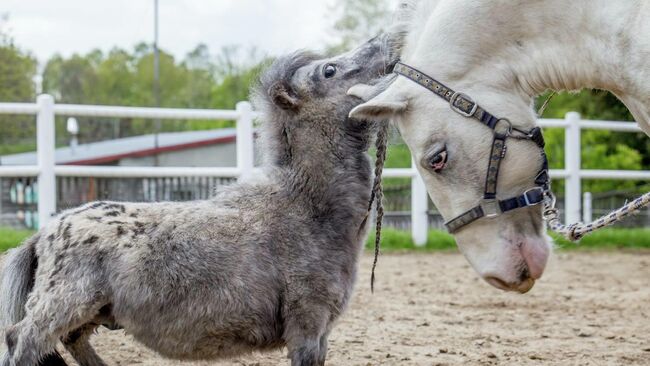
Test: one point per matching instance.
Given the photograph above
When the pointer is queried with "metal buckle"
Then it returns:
(508, 130)
(456, 109)
(528, 201)
(490, 208)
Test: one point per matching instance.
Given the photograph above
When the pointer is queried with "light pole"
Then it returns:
(156, 76)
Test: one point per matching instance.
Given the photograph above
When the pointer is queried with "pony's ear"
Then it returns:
(380, 108)
(283, 96)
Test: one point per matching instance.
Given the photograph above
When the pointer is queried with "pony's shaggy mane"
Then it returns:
(281, 70)
(273, 119)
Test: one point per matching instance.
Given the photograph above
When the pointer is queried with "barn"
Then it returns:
(212, 148)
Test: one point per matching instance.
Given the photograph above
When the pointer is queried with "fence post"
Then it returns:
(572, 165)
(45, 147)
(587, 213)
(245, 151)
(419, 208)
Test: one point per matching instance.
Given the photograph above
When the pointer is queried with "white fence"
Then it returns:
(45, 110)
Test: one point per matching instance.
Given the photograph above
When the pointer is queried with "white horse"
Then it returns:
(502, 54)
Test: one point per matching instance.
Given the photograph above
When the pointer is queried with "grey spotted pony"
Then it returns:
(266, 263)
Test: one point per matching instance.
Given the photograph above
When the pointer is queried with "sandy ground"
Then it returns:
(431, 309)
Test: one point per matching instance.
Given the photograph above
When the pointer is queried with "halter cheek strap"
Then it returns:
(489, 206)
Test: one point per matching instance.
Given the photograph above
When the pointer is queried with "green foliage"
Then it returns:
(398, 156)
(17, 68)
(359, 20)
(10, 238)
(126, 78)
(16, 71)
(600, 149)
(591, 104)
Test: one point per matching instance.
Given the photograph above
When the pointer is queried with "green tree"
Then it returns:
(17, 70)
(358, 21)
(126, 78)
(72, 80)
(600, 149)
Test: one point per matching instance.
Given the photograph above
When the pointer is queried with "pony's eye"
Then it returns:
(329, 71)
(438, 161)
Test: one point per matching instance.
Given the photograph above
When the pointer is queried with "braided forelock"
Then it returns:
(377, 194)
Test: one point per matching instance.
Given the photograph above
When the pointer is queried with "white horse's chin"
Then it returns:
(522, 287)
(512, 264)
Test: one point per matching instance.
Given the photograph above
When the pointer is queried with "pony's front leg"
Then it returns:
(306, 334)
(308, 353)
(323, 349)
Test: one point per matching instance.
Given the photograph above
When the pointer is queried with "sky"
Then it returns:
(46, 27)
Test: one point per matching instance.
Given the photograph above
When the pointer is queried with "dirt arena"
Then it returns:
(431, 309)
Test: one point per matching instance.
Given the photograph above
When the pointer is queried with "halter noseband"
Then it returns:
(489, 206)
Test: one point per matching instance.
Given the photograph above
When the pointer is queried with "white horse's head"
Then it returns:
(452, 151)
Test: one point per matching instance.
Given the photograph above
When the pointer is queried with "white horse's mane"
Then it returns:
(410, 19)
(585, 44)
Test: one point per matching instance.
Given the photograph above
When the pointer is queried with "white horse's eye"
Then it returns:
(329, 71)
(437, 161)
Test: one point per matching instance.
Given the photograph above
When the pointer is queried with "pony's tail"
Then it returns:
(17, 282)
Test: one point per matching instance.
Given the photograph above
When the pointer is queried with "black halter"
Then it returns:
(489, 206)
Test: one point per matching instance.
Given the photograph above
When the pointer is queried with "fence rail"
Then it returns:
(46, 170)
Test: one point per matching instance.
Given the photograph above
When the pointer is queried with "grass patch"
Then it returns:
(11, 238)
(613, 238)
(616, 238)
(8, 149)
(399, 240)
(392, 240)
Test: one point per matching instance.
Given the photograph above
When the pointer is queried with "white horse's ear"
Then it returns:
(382, 107)
(363, 91)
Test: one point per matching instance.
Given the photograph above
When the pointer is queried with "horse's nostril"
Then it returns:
(524, 274)
(497, 282)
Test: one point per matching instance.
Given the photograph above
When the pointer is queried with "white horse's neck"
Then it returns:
(533, 46)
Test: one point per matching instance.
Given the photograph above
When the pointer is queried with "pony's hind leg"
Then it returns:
(51, 314)
(79, 347)
(46, 357)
